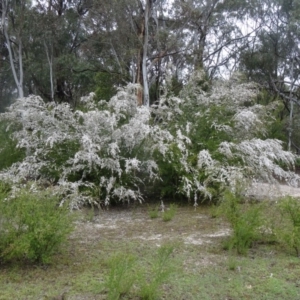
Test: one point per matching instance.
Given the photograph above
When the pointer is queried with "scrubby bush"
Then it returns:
(245, 220)
(220, 139)
(209, 137)
(33, 226)
(288, 229)
(169, 213)
(160, 270)
(121, 276)
(101, 153)
(128, 275)
(153, 212)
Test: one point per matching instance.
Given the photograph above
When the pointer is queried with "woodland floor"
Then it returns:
(198, 267)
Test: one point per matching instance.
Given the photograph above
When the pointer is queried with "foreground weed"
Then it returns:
(289, 227)
(33, 227)
(121, 276)
(153, 212)
(169, 214)
(160, 271)
(245, 220)
(233, 263)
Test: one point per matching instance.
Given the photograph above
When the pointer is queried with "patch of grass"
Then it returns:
(83, 268)
(245, 220)
(169, 213)
(121, 276)
(254, 279)
(159, 273)
(153, 212)
(232, 263)
(288, 230)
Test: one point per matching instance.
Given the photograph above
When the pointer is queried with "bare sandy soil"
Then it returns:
(135, 224)
(266, 191)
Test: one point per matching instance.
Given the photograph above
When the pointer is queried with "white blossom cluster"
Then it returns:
(108, 150)
(110, 142)
(238, 157)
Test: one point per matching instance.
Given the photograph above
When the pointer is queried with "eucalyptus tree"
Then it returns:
(54, 51)
(13, 20)
(7, 84)
(132, 40)
(212, 34)
(273, 59)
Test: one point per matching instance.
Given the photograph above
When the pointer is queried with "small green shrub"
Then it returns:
(32, 228)
(288, 230)
(245, 219)
(121, 276)
(232, 263)
(160, 271)
(169, 214)
(153, 212)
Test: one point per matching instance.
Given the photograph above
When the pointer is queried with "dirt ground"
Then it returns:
(200, 264)
(271, 191)
(192, 226)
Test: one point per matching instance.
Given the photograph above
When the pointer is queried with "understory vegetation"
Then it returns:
(125, 254)
(206, 145)
(191, 146)
(33, 226)
(135, 137)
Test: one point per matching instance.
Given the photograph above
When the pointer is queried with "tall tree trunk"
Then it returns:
(18, 81)
(142, 72)
(145, 52)
(50, 62)
(139, 72)
(290, 134)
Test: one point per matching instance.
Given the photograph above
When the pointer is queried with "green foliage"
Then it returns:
(232, 263)
(220, 132)
(169, 172)
(5, 188)
(9, 152)
(58, 156)
(33, 226)
(245, 220)
(159, 273)
(121, 276)
(169, 213)
(153, 212)
(105, 87)
(289, 228)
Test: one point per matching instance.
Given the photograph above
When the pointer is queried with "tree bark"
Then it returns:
(18, 81)
(145, 51)
(50, 62)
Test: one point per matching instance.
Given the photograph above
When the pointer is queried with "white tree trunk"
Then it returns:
(21, 74)
(50, 62)
(145, 51)
(18, 81)
(291, 108)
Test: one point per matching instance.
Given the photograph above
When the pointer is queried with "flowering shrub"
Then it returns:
(220, 138)
(8, 152)
(191, 145)
(97, 154)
